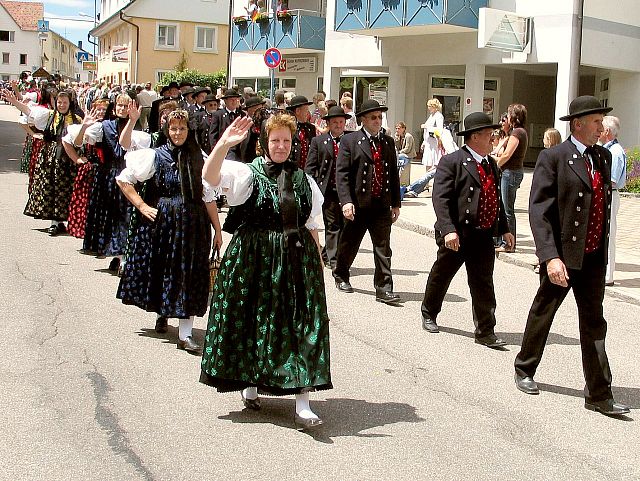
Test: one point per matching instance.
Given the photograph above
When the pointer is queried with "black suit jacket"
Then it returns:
(154, 114)
(296, 147)
(203, 125)
(560, 201)
(320, 160)
(456, 195)
(219, 124)
(354, 171)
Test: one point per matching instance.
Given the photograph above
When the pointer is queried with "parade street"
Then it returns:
(89, 391)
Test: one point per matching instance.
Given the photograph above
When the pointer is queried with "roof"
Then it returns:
(25, 14)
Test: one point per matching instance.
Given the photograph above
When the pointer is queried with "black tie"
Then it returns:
(485, 166)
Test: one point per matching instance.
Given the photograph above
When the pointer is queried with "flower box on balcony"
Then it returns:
(261, 18)
(240, 20)
(284, 15)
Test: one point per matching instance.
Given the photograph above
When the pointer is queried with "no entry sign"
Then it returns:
(272, 57)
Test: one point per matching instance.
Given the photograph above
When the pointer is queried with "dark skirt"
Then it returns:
(167, 265)
(26, 154)
(52, 184)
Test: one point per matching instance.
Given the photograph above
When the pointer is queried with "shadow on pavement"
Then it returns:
(412, 296)
(515, 338)
(626, 395)
(627, 267)
(368, 271)
(341, 416)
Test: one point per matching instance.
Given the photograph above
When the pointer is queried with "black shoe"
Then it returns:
(608, 407)
(62, 228)
(429, 325)
(303, 424)
(526, 384)
(114, 264)
(491, 341)
(253, 404)
(53, 231)
(344, 286)
(190, 346)
(161, 325)
(388, 297)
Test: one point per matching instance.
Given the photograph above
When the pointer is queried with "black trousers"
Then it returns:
(588, 290)
(377, 220)
(477, 253)
(333, 224)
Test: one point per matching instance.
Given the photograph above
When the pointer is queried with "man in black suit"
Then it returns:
(223, 118)
(204, 119)
(369, 192)
(569, 211)
(466, 200)
(321, 165)
(168, 92)
(247, 147)
(299, 108)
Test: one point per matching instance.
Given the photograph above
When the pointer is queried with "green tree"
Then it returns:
(213, 80)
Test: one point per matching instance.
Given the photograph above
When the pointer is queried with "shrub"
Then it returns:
(212, 80)
(633, 170)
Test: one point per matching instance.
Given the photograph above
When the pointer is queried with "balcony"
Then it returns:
(406, 17)
(299, 32)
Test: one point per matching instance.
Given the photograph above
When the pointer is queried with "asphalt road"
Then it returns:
(90, 392)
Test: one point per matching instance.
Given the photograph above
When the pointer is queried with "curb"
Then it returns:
(504, 257)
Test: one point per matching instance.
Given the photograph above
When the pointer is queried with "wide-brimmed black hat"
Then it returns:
(585, 105)
(336, 111)
(230, 93)
(188, 91)
(477, 121)
(164, 89)
(210, 98)
(298, 101)
(253, 101)
(370, 105)
(185, 83)
(199, 90)
(173, 85)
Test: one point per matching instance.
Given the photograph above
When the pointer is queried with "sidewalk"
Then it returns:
(418, 215)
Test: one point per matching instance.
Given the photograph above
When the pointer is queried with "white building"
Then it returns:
(405, 52)
(19, 45)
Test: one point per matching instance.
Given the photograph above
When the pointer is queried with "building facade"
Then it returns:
(140, 40)
(541, 54)
(60, 56)
(20, 48)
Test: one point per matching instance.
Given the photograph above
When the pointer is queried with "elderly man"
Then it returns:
(299, 108)
(469, 213)
(223, 118)
(609, 140)
(369, 192)
(569, 209)
(321, 165)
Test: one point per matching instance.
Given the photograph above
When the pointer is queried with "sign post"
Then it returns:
(272, 59)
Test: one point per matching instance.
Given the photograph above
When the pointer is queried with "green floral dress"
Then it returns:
(268, 324)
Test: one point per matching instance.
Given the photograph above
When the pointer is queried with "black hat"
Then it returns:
(188, 91)
(298, 101)
(477, 121)
(336, 111)
(253, 101)
(173, 85)
(585, 105)
(370, 105)
(185, 83)
(199, 90)
(210, 98)
(230, 93)
(164, 89)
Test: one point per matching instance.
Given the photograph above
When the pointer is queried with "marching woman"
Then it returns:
(53, 172)
(86, 154)
(268, 327)
(167, 270)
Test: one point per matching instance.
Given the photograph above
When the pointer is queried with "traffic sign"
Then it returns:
(43, 26)
(83, 56)
(283, 65)
(272, 57)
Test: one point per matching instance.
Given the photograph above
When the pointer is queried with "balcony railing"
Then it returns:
(384, 14)
(298, 29)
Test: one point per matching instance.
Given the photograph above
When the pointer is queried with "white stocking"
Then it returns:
(250, 392)
(185, 327)
(302, 406)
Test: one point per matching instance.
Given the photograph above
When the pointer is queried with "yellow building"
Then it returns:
(60, 56)
(140, 40)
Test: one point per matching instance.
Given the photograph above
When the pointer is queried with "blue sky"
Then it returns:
(66, 18)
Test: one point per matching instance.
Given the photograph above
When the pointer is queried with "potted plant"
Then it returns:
(239, 20)
(284, 15)
(261, 17)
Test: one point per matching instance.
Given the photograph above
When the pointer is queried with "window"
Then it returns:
(23, 59)
(5, 57)
(7, 35)
(166, 37)
(160, 74)
(205, 38)
(63, 47)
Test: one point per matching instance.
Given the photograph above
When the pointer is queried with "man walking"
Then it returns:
(369, 192)
(609, 140)
(569, 210)
(469, 213)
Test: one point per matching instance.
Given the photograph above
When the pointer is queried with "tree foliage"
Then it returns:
(212, 80)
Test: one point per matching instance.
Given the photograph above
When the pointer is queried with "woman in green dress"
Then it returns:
(268, 327)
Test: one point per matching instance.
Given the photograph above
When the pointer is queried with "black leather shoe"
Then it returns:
(303, 424)
(189, 345)
(608, 407)
(161, 325)
(526, 384)
(491, 341)
(253, 404)
(429, 325)
(387, 297)
(62, 228)
(53, 231)
(114, 264)
(344, 286)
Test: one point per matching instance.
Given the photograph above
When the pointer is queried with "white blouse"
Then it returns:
(92, 135)
(434, 122)
(39, 116)
(236, 183)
